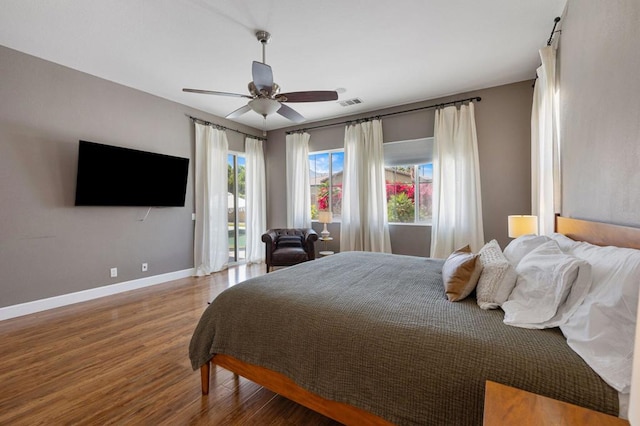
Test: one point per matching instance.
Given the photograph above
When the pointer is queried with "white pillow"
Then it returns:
(521, 246)
(497, 278)
(550, 287)
(602, 329)
(566, 244)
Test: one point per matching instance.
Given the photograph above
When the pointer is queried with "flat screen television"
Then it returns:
(114, 176)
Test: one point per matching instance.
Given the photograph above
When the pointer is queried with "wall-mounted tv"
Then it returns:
(114, 176)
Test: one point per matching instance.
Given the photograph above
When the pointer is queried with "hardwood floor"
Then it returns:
(124, 359)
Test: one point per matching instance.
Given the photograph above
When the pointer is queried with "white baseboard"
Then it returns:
(90, 294)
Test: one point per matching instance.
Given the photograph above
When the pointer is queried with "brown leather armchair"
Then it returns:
(286, 247)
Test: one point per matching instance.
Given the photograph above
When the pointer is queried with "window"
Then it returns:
(409, 190)
(236, 167)
(408, 175)
(325, 178)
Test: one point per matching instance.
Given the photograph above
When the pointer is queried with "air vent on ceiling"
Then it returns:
(349, 102)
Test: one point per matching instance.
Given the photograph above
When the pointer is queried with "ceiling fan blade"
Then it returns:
(262, 76)
(211, 92)
(237, 113)
(311, 96)
(291, 114)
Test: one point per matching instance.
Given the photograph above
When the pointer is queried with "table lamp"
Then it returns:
(522, 225)
(325, 217)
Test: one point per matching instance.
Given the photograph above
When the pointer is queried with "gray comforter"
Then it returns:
(376, 331)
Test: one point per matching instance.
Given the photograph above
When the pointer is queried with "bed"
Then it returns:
(369, 338)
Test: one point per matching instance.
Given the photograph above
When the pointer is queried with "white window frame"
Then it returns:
(330, 152)
(237, 260)
(428, 155)
(416, 199)
(415, 182)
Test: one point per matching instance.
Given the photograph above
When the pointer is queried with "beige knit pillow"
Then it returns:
(460, 273)
(498, 277)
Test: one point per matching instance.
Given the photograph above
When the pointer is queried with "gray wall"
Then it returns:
(599, 59)
(48, 247)
(503, 124)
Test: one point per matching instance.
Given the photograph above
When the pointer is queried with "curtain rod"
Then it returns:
(373, 117)
(221, 127)
(553, 30)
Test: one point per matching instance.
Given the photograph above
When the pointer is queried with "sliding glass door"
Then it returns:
(237, 207)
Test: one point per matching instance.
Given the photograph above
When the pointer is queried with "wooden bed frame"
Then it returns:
(597, 233)
(282, 385)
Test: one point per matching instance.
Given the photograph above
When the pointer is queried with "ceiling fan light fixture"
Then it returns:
(264, 106)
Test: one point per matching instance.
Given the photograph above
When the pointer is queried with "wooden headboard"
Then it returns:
(598, 233)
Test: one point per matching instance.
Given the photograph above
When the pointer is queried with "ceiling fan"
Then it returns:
(265, 94)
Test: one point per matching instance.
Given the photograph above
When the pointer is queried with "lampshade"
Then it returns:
(264, 106)
(634, 401)
(325, 217)
(522, 225)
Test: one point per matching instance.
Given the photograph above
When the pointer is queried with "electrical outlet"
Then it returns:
(145, 267)
(114, 272)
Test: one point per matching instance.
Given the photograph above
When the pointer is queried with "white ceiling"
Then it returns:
(386, 53)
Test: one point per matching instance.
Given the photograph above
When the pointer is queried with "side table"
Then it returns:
(324, 251)
(504, 405)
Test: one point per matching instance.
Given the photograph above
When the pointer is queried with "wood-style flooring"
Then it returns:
(123, 359)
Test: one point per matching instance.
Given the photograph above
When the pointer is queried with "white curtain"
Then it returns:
(545, 146)
(256, 193)
(211, 239)
(364, 224)
(298, 190)
(457, 204)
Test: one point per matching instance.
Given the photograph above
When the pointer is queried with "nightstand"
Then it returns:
(504, 405)
(324, 251)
